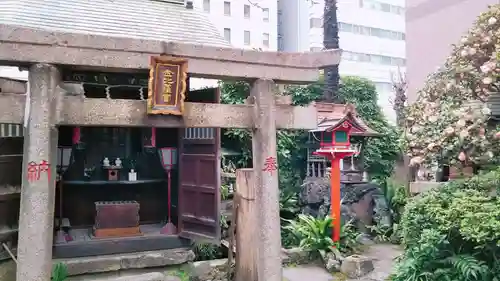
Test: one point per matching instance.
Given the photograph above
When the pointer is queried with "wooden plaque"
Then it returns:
(167, 85)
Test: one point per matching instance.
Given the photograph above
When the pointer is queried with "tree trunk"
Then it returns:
(399, 85)
(331, 41)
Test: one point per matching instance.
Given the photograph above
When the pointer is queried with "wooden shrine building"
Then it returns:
(108, 115)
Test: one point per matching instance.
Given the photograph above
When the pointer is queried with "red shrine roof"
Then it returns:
(331, 115)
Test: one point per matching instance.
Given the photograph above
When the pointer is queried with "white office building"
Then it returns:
(244, 23)
(372, 37)
(247, 24)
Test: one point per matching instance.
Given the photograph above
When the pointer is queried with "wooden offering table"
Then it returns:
(116, 219)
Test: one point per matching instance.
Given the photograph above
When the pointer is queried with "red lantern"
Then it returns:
(168, 156)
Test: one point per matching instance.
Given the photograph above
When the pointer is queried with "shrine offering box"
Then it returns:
(116, 218)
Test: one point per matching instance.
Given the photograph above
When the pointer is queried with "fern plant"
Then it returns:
(207, 251)
(314, 234)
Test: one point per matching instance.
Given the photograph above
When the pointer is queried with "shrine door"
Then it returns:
(199, 177)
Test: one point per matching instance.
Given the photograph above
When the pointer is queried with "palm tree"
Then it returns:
(331, 41)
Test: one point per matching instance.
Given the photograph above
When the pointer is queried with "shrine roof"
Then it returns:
(331, 115)
(139, 19)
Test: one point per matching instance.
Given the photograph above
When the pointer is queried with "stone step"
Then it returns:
(108, 267)
(122, 262)
(152, 276)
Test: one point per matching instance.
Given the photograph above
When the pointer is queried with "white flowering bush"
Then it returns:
(449, 122)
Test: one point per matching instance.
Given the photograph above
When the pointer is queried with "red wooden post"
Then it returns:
(335, 196)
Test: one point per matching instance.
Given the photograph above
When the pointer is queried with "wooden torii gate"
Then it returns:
(45, 52)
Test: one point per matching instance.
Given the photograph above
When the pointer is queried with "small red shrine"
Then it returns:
(330, 117)
(337, 124)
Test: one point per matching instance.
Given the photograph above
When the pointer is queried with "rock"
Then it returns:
(8, 270)
(332, 262)
(356, 266)
(362, 203)
(213, 270)
(202, 268)
(382, 213)
(364, 239)
(295, 256)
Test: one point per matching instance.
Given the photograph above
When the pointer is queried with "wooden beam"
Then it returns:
(23, 46)
(78, 111)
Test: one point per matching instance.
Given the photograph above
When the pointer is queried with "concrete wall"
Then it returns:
(431, 28)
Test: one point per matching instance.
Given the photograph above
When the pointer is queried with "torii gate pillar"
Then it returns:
(266, 178)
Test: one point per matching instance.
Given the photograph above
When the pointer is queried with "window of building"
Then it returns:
(346, 55)
(384, 7)
(371, 58)
(386, 60)
(227, 8)
(206, 6)
(397, 10)
(315, 23)
(345, 27)
(364, 30)
(398, 61)
(265, 39)
(371, 31)
(227, 34)
(365, 57)
(383, 87)
(265, 14)
(380, 6)
(246, 38)
(246, 11)
(356, 29)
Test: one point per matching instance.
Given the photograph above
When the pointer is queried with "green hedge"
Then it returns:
(453, 232)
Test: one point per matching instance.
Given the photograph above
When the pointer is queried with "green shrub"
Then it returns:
(207, 251)
(59, 272)
(396, 196)
(453, 232)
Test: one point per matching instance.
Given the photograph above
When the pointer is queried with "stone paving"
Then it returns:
(383, 259)
(382, 254)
